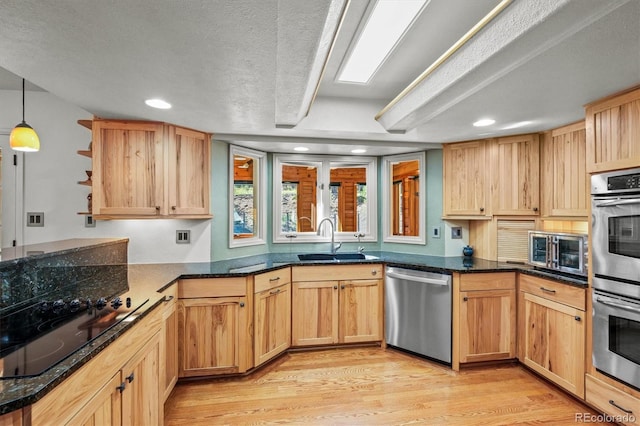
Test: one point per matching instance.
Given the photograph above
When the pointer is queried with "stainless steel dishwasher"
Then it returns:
(418, 312)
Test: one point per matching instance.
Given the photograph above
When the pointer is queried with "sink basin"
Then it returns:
(336, 256)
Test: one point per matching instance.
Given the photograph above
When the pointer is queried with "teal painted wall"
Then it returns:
(220, 223)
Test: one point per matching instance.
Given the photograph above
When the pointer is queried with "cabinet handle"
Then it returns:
(548, 290)
(168, 298)
(374, 272)
(242, 304)
(577, 318)
(535, 209)
(274, 279)
(335, 287)
(173, 208)
(122, 386)
(274, 291)
(464, 299)
(481, 209)
(342, 286)
(612, 402)
(157, 209)
(130, 378)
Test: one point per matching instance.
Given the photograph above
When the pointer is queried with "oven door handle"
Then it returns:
(619, 202)
(618, 305)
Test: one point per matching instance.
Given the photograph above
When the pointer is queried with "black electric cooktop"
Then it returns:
(38, 337)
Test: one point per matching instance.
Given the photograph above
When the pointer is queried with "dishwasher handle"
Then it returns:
(414, 278)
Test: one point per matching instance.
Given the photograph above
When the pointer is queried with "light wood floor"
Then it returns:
(367, 386)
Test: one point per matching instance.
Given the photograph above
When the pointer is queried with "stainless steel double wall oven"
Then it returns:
(615, 209)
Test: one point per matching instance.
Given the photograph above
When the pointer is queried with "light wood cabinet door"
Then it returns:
(360, 311)
(104, 408)
(189, 172)
(565, 181)
(140, 376)
(466, 172)
(487, 325)
(553, 342)
(169, 345)
(128, 178)
(516, 182)
(314, 313)
(272, 322)
(13, 418)
(212, 336)
(613, 132)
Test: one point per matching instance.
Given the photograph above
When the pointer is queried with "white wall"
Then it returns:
(50, 186)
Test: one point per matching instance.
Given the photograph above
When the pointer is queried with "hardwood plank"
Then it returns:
(372, 386)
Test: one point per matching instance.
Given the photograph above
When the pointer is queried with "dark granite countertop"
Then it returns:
(146, 280)
(55, 248)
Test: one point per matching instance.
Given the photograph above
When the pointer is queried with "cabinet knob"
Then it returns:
(535, 209)
(481, 209)
(130, 378)
(242, 304)
(157, 209)
(374, 272)
(577, 318)
(464, 299)
(342, 286)
(173, 208)
(335, 287)
(122, 386)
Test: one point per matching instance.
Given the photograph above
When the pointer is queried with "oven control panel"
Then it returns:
(622, 181)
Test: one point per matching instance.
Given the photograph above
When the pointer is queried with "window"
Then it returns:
(309, 188)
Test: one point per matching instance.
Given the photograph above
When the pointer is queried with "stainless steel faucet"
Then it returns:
(334, 247)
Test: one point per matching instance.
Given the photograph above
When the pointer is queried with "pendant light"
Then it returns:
(23, 137)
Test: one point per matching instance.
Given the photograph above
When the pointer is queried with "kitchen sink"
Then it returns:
(334, 256)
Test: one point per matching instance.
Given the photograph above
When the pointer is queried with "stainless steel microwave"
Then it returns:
(559, 251)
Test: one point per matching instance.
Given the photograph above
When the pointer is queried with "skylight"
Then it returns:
(387, 23)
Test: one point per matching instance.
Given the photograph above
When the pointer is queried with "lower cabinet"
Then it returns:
(486, 318)
(271, 315)
(128, 398)
(336, 304)
(169, 343)
(214, 327)
(119, 386)
(552, 331)
(623, 407)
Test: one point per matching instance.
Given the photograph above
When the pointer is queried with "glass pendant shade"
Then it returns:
(23, 137)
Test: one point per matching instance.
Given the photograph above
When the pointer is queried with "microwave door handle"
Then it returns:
(619, 202)
(618, 305)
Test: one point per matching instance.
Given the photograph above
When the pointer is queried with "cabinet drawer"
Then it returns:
(336, 272)
(552, 290)
(212, 287)
(613, 401)
(170, 295)
(272, 279)
(488, 281)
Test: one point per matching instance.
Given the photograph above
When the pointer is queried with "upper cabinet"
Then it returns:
(149, 170)
(466, 179)
(565, 183)
(516, 180)
(613, 132)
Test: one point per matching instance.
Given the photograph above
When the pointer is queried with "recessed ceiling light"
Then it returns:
(387, 23)
(484, 122)
(158, 103)
(358, 151)
(301, 148)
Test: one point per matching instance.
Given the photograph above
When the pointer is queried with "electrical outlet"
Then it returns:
(456, 232)
(183, 237)
(89, 222)
(35, 219)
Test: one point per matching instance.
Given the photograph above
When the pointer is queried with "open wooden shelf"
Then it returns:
(86, 123)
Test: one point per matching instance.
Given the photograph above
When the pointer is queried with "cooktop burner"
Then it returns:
(37, 338)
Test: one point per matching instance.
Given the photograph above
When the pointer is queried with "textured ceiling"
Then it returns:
(239, 68)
